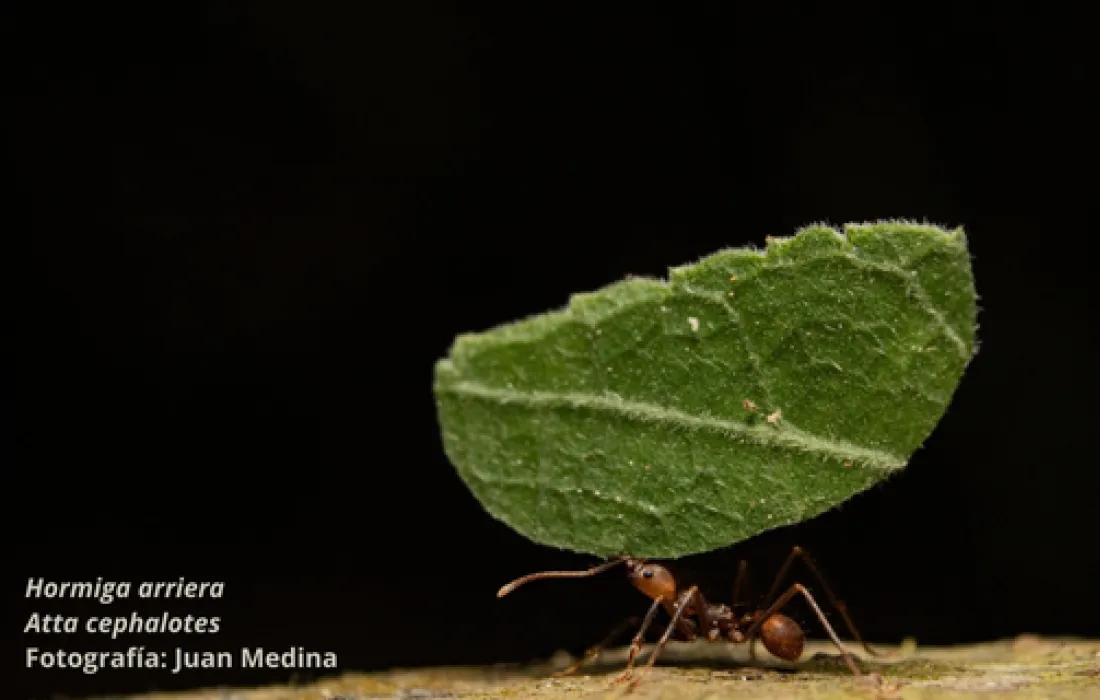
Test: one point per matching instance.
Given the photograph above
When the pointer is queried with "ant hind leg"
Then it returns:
(799, 589)
(799, 553)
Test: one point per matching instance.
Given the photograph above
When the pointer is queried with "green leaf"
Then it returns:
(623, 423)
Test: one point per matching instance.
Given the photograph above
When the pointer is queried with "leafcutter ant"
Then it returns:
(693, 617)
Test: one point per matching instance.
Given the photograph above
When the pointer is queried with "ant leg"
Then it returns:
(736, 601)
(593, 652)
(796, 553)
(639, 638)
(741, 578)
(794, 590)
(689, 596)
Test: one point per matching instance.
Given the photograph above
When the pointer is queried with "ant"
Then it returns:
(692, 617)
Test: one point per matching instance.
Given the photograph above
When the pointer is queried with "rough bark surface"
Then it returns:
(1025, 667)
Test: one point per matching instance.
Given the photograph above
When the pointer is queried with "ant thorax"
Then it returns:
(721, 619)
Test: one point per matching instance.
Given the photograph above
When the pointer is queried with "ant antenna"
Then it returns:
(506, 589)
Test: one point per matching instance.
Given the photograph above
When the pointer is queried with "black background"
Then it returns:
(256, 226)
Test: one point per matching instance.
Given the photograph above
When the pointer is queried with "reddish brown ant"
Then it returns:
(692, 617)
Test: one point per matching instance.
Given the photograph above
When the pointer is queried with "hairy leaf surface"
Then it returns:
(754, 389)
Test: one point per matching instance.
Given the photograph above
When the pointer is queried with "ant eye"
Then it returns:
(648, 573)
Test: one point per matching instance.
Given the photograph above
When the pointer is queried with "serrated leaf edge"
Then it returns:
(537, 326)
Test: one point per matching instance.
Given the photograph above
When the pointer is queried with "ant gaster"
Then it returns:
(693, 617)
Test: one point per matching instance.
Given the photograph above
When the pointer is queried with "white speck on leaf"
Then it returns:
(694, 323)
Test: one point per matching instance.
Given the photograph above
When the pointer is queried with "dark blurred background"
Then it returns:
(255, 227)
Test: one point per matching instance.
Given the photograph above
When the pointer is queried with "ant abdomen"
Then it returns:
(782, 637)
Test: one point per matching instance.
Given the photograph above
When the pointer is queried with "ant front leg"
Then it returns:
(593, 652)
(639, 638)
(691, 598)
(799, 553)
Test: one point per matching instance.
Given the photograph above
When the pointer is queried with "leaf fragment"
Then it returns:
(622, 423)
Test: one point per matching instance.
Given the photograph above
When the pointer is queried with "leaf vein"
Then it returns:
(919, 294)
(788, 436)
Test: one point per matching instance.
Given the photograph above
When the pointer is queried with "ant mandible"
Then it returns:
(692, 617)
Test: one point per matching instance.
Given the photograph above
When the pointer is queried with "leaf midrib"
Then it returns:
(784, 436)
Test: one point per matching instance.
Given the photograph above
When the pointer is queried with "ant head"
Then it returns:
(651, 579)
